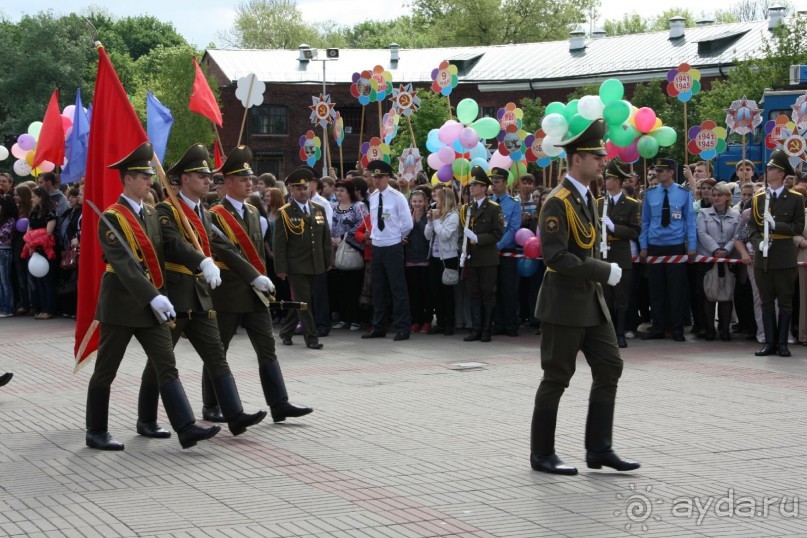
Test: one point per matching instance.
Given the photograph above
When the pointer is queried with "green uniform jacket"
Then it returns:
(627, 219)
(186, 292)
(125, 294)
(487, 222)
(571, 293)
(235, 294)
(788, 212)
(302, 245)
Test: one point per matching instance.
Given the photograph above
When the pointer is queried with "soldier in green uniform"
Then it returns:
(483, 226)
(303, 250)
(189, 272)
(573, 313)
(132, 302)
(242, 260)
(623, 221)
(776, 273)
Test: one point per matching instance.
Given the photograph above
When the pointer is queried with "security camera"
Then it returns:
(333, 54)
(310, 53)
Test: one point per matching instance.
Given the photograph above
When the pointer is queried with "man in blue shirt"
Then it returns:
(668, 229)
(505, 319)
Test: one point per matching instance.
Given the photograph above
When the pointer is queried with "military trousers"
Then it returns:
(776, 286)
(302, 287)
(506, 316)
(481, 284)
(258, 325)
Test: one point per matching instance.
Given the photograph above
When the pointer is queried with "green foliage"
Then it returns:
(533, 113)
(270, 24)
(631, 23)
(662, 21)
(592, 88)
(433, 113)
(380, 34)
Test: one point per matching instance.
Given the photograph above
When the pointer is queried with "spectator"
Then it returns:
(321, 306)
(50, 183)
(505, 316)
(529, 213)
(263, 182)
(403, 187)
(6, 183)
(746, 193)
(345, 284)
(801, 256)
(442, 230)
(43, 216)
(68, 238)
(417, 265)
(8, 214)
(328, 186)
(22, 197)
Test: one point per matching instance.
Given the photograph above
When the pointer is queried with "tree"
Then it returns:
(380, 34)
(533, 113)
(754, 10)
(269, 24)
(631, 23)
(433, 113)
(662, 21)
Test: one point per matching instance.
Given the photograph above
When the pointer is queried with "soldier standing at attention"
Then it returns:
(303, 250)
(776, 274)
(624, 222)
(506, 319)
(129, 304)
(573, 313)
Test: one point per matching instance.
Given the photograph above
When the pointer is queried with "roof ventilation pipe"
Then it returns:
(677, 27)
(776, 16)
(577, 40)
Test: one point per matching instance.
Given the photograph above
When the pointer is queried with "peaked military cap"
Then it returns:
(379, 168)
(499, 172)
(612, 169)
(665, 164)
(588, 141)
(196, 159)
(479, 176)
(301, 176)
(238, 163)
(138, 161)
(779, 160)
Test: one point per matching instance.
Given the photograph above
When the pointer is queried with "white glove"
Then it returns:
(471, 235)
(616, 275)
(211, 272)
(608, 223)
(263, 283)
(770, 220)
(163, 307)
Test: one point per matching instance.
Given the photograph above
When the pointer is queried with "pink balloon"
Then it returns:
(69, 111)
(446, 154)
(523, 235)
(611, 149)
(66, 123)
(449, 132)
(26, 142)
(500, 161)
(445, 173)
(46, 166)
(18, 152)
(645, 119)
(468, 138)
(630, 154)
(434, 161)
(533, 248)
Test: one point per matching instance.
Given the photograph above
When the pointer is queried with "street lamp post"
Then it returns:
(330, 55)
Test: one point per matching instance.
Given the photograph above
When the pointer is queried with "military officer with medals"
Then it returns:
(776, 274)
(132, 302)
(483, 227)
(303, 250)
(243, 273)
(623, 222)
(573, 313)
(190, 275)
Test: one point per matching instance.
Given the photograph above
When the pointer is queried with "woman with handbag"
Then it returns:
(345, 280)
(442, 230)
(717, 226)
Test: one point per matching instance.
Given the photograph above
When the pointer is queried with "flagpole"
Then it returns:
(361, 132)
(218, 138)
(190, 231)
(341, 163)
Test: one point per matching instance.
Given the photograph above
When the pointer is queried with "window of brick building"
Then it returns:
(351, 116)
(489, 112)
(269, 120)
(268, 161)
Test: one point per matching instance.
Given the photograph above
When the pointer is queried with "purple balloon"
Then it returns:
(522, 234)
(26, 142)
(445, 173)
(22, 225)
(468, 138)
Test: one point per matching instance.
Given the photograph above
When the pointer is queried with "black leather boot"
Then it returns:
(542, 443)
(619, 328)
(476, 324)
(771, 336)
(98, 421)
(5, 378)
(724, 323)
(599, 429)
(487, 323)
(274, 390)
(210, 405)
(181, 416)
(784, 333)
(231, 407)
(147, 401)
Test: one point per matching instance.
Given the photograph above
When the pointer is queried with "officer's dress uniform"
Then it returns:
(506, 316)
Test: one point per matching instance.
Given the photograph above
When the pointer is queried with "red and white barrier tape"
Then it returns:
(681, 258)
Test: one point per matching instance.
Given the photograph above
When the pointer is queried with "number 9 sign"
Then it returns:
(444, 78)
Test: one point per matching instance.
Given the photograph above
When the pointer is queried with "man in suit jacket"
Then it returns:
(623, 222)
(243, 279)
(132, 302)
(573, 313)
(303, 250)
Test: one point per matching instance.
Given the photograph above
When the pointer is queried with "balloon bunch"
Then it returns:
(25, 148)
(531, 243)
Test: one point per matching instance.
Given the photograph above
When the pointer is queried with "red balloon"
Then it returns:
(532, 248)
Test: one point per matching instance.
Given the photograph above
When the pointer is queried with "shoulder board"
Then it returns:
(491, 202)
(562, 194)
(631, 199)
(651, 188)
(285, 206)
(600, 198)
(791, 191)
(247, 204)
(759, 194)
(315, 204)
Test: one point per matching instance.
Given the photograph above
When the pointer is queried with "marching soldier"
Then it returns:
(483, 225)
(776, 274)
(132, 302)
(573, 313)
(624, 222)
(303, 250)
(189, 273)
(243, 278)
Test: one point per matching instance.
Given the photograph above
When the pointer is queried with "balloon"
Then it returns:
(486, 127)
(66, 123)
(435, 179)
(665, 136)
(554, 125)
(571, 108)
(445, 174)
(433, 143)
(590, 107)
(461, 167)
(611, 90)
(468, 138)
(46, 166)
(526, 267)
(38, 265)
(69, 111)
(22, 225)
(616, 112)
(645, 119)
(3, 153)
(630, 154)
(449, 132)
(467, 111)
(434, 162)
(578, 124)
(621, 135)
(518, 168)
(522, 234)
(549, 147)
(480, 152)
(647, 146)
(21, 168)
(480, 162)
(532, 248)
(457, 147)
(446, 155)
(497, 160)
(26, 142)
(555, 107)
(34, 129)
(611, 149)
(657, 124)
(29, 158)
(18, 152)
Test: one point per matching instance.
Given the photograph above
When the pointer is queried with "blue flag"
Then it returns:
(77, 143)
(158, 124)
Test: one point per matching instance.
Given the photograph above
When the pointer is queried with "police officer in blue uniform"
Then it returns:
(505, 318)
(668, 229)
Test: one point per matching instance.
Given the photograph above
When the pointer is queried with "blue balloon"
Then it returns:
(527, 267)
(480, 162)
(480, 152)
(433, 144)
(459, 147)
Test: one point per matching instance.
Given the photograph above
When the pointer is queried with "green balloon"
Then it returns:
(616, 112)
(647, 146)
(623, 135)
(665, 136)
(571, 109)
(461, 167)
(611, 90)
(486, 127)
(578, 124)
(467, 111)
(555, 107)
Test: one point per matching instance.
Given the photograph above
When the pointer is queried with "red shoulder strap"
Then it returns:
(236, 232)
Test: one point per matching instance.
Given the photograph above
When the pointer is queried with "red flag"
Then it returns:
(115, 131)
(50, 146)
(217, 162)
(202, 99)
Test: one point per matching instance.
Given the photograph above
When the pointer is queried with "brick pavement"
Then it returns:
(403, 445)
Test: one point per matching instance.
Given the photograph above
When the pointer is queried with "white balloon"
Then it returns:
(38, 265)
(3, 153)
(554, 125)
(22, 168)
(590, 107)
(549, 147)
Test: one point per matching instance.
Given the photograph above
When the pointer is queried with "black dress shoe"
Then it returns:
(598, 460)
(511, 332)
(621, 342)
(286, 410)
(551, 464)
(653, 336)
(474, 336)
(152, 429)
(193, 434)
(401, 336)
(313, 345)
(680, 338)
(769, 349)
(435, 329)
(102, 441)
(323, 332)
(782, 350)
(286, 340)
(710, 337)
(212, 413)
(374, 334)
(5, 378)
(725, 336)
(240, 423)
